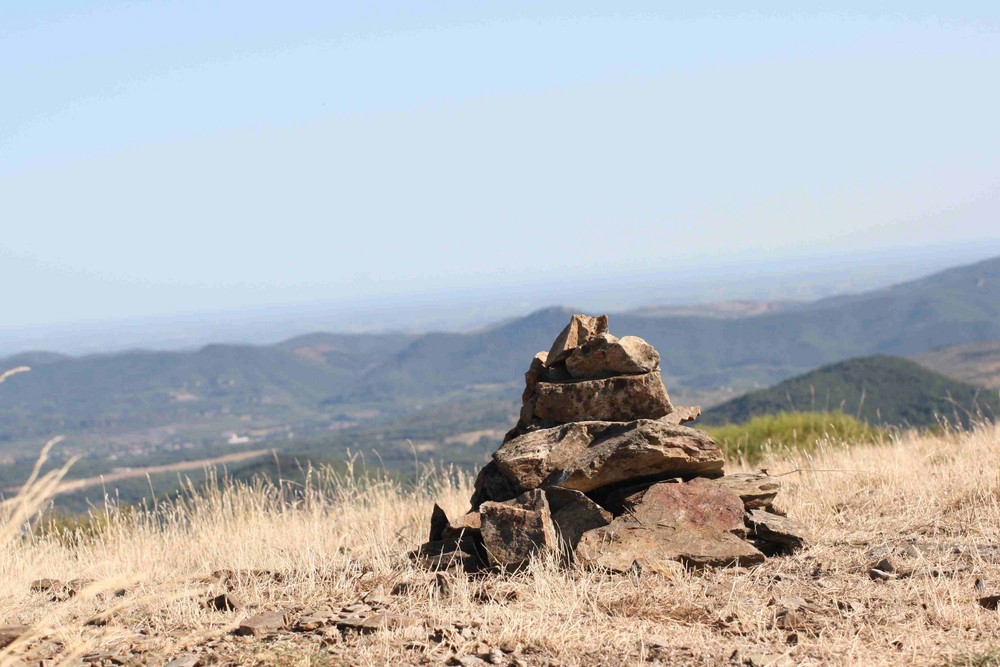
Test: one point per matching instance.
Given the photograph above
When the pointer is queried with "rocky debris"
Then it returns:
(262, 624)
(10, 634)
(223, 602)
(184, 661)
(600, 468)
(991, 602)
(56, 590)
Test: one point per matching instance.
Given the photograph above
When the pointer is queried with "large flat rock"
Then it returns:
(589, 455)
(690, 522)
(620, 398)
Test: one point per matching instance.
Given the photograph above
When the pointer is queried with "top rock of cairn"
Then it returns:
(600, 468)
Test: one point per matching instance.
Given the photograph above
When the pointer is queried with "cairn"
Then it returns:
(601, 469)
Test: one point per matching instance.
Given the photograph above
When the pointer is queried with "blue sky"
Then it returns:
(160, 157)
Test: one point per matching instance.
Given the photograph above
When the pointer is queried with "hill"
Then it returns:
(960, 305)
(337, 542)
(880, 390)
(360, 389)
(975, 363)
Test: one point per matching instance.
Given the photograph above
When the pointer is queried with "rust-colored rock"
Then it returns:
(690, 522)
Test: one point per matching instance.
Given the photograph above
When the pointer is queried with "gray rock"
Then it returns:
(589, 455)
(690, 522)
(515, 531)
(605, 356)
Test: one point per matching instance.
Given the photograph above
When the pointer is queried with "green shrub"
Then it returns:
(790, 430)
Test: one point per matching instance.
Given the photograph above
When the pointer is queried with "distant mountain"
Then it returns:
(325, 383)
(959, 305)
(975, 363)
(880, 390)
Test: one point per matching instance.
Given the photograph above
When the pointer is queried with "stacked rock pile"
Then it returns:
(600, 469)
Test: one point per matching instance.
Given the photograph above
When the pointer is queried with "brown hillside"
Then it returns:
(975, 363)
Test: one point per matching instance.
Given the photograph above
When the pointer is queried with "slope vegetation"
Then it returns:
(975, 363)
(879, 390)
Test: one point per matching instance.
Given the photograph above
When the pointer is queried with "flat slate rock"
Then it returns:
(756, 490)
(589, 455)
(785, 534)
(264, 623)
(690, 522)
(620, 398)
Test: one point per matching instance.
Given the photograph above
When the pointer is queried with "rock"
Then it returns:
(76, 586)
(621, 398)
(783, 534)
(439, 522)
(492, 484)
(467, 661)
(682, 414)
(604, 356)
(589, 455)
(377, 622)
(690, 522)
(462, 553)
(223, 602)
(313, 620)
(184, 661)
(991, 602)
(262, 624)
(757, 490)
(516, 530)
(580, 329)
(11, 633)
(56, 590)
(573, 514)
(466, 524)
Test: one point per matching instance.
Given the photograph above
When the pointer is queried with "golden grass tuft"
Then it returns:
(928, 503)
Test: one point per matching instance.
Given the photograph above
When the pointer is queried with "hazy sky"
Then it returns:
(177, 156)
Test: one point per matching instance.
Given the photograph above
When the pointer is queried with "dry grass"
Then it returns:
(929, 504)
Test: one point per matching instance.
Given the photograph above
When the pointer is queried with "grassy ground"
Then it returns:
(928, 504)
